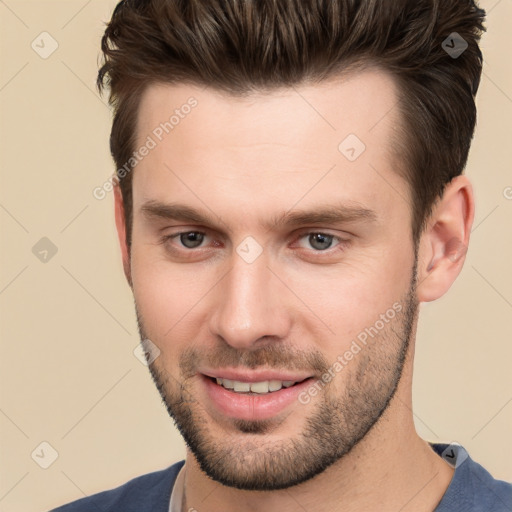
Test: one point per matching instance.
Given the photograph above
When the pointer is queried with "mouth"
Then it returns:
(252, 398)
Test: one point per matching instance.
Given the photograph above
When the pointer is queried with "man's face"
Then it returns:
(247, 295)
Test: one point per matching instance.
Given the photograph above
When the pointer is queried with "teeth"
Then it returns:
(259, 387)
(274, 385)
(263, 387)
(241, 386)
(229, 384)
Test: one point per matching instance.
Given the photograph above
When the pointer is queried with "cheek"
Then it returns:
(166, 294)
(351, 295)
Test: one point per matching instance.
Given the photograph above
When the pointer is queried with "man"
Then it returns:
(289, 190)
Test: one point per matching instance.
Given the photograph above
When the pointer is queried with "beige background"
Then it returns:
(69, 376)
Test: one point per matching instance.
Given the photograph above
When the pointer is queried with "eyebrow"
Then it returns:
(331, 214)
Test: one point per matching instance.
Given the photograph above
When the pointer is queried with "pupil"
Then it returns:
(325, 241)
(191, 239)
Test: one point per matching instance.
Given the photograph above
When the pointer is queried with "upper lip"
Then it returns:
(255, 376)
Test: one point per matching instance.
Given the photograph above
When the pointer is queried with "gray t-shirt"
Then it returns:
(472, 488)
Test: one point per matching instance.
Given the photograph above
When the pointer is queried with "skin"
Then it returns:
(246, 161)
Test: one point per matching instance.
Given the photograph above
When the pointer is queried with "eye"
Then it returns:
(320, 242)
(188, 239)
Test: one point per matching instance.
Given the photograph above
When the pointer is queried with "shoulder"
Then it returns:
(473, 488)
(149, 492)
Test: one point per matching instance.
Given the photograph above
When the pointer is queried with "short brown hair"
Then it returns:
(244, 46)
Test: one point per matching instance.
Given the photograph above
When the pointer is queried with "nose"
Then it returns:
(250, 309)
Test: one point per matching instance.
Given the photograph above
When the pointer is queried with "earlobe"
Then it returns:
(443, 244)
(121, 232)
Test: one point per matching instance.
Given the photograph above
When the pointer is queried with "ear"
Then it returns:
(443, 244)
(121, 232)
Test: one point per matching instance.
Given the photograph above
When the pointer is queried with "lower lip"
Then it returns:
(255, 406)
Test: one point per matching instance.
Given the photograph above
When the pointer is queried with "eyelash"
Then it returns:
(342, 243)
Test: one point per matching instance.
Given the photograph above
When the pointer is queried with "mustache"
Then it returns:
(268, 357)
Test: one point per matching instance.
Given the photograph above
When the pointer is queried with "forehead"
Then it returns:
(357, 102)
(327, 141)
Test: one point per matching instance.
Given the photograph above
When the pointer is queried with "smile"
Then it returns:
(261, 388)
